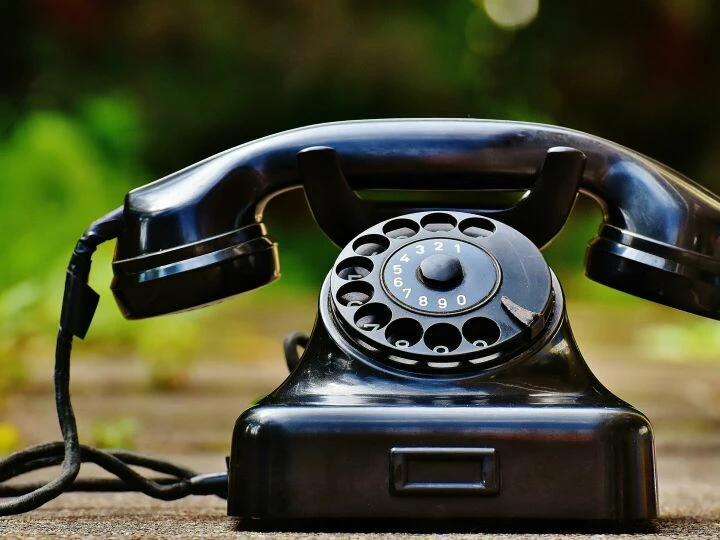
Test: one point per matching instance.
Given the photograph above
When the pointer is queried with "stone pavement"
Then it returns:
(690, 506)
(193, 427)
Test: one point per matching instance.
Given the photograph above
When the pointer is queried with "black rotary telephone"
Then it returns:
(441, 379)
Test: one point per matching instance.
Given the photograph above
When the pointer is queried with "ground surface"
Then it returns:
(193, 427)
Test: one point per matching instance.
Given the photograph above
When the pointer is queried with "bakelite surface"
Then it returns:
(660, 240)
(324, 444)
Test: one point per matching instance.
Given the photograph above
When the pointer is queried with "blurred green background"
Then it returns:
(99, 97)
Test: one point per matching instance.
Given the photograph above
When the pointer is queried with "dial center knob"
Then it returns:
(440, 272)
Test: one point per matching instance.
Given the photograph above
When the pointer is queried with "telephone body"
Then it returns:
(441, 379)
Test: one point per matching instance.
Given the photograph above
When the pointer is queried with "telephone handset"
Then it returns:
(441, 379)
(200, 230)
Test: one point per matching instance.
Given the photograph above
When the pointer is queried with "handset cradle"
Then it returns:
(327, 190)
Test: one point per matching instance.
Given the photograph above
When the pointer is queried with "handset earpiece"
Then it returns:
(193, 275)
(660, 239)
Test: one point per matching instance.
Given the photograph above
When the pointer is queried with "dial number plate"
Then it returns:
(401, 280)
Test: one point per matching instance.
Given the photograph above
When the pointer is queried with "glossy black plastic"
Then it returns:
(194, 275)
(345, 437)
(660, 240)
(555, 186)
(500, 266)
(350, 433)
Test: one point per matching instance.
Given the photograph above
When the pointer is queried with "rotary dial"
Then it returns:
(439, 291)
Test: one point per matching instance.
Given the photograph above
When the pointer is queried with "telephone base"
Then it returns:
(296, 463)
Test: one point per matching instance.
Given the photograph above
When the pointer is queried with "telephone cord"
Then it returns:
(79, 303)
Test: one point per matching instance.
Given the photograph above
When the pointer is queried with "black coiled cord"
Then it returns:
(79, 303)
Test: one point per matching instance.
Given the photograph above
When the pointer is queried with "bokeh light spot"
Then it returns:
(512, 14)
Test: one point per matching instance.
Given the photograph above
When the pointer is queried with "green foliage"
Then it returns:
(306, 255)
(170, 345)
(673, 341)
(118, 433)
(92, 106)
(9, 438)
(59, 172)
(49, 165)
